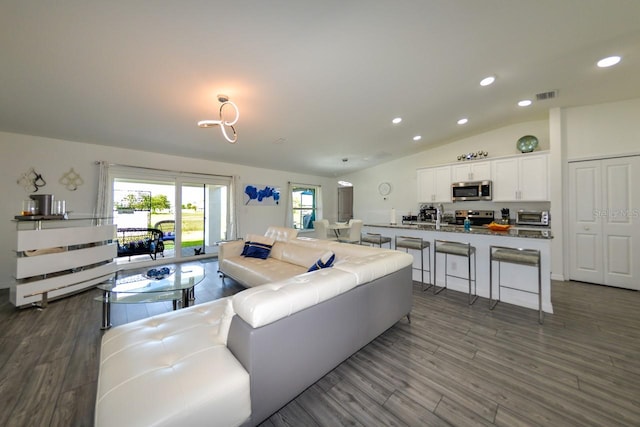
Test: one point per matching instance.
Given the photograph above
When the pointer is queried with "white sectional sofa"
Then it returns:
(237, 360)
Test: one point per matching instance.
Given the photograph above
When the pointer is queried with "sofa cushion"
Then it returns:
(370, 267)
(303, 256)
(325, 261)
(281, 234)
(176, 369)
(255, 271)
(265, 304)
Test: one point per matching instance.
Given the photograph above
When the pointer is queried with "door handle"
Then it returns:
(586, 227)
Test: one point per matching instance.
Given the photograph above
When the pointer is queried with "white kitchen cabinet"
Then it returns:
(471, 171)
(522, 178)
(434, 184)
(59, 257)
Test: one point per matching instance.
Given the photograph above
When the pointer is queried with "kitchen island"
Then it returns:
(522, 281)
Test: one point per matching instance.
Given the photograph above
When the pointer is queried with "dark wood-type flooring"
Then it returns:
(454, 364)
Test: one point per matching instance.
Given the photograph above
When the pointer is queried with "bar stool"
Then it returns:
(375, 239)
(528, 257)
(418, 244)
(458, 249)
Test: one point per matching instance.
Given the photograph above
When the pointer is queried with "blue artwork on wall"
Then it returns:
(261, 195)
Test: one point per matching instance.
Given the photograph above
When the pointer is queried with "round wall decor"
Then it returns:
(384, 188)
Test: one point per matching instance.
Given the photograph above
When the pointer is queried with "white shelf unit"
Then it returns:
(55, 258)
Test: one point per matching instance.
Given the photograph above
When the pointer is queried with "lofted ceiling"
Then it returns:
(316, 82)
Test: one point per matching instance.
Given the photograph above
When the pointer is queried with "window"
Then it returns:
(304, 205)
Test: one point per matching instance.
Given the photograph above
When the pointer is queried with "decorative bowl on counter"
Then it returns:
(494, 226)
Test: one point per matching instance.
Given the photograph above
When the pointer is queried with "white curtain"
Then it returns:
(288, 212)
(236, 200)
(103, 199)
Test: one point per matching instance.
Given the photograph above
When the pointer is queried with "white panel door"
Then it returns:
(604, 224)
(585, 225)
(621, 197)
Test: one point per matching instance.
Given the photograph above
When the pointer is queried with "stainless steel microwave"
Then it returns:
(476, 190)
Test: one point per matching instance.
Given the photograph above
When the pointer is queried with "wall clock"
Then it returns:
(384, 188)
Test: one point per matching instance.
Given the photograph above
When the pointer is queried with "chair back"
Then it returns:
(354, 230)
(321, 227)
(168, 228)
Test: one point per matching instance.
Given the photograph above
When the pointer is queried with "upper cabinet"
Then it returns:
(434, 185)
(472, 171)
(522, 178)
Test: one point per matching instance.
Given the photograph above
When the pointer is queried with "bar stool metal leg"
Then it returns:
(459, 249)
(527, 257)
(474, 297)
(417, 243)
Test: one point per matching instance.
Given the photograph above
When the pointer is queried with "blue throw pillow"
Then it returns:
(325, 261)
(258, 250)
(257, 246)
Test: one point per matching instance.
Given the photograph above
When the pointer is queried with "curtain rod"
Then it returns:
(308, 185)
(97, 162)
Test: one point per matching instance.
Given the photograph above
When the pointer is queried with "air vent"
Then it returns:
(546, 95)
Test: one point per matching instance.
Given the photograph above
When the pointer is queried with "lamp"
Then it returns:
(224, 99)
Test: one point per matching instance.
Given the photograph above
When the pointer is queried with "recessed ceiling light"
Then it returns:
(487, 81)
(463, 121)
(417, 138)
(609, 61)
(396, 120)
(525, 103)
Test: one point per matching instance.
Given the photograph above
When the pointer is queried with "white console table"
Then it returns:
(57, 257)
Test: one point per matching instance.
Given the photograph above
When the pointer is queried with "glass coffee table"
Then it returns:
(177, 287)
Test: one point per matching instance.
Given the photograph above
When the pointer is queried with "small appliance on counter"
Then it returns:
(506, 218)
(478, 217)
(427, 213)
(409, 219)
(540, 218)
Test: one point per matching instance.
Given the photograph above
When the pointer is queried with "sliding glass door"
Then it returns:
(204, 217)
(192, 211)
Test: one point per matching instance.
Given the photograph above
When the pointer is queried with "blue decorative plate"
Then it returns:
(159, 273)
(527, 143)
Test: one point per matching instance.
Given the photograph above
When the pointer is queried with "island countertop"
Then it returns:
(519, 283)
(528, 232)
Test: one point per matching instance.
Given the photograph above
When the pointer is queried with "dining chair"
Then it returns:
(321, 226)
(353, 236)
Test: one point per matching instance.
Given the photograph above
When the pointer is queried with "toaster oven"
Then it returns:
(532, 217)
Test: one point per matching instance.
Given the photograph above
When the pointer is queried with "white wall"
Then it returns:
(52, 158)
(602, 130)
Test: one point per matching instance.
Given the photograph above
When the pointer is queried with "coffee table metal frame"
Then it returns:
(177, 287)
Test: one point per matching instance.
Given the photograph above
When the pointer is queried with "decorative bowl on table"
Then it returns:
(159, 273)
(494, 226)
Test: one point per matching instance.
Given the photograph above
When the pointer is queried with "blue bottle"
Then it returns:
(467, 224)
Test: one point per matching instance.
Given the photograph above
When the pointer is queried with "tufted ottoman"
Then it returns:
(182, 361)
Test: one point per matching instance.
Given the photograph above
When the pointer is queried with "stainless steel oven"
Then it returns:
(532, 217)
(476, 190)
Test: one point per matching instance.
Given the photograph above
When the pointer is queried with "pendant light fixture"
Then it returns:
(224, 124)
